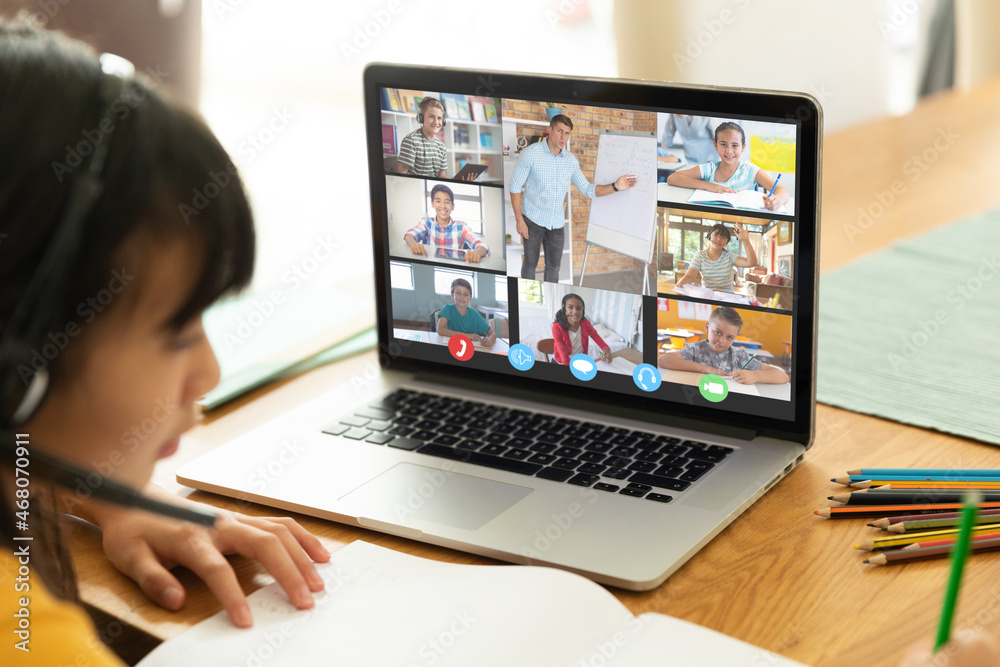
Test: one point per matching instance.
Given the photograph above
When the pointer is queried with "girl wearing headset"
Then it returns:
(93, 188)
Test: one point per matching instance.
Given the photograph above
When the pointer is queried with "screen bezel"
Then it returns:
(647, 96)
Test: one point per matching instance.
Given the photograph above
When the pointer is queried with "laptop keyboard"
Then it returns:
(607, 458)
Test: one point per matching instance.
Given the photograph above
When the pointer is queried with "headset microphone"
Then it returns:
(70, 476)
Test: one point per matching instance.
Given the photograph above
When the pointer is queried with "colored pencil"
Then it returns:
(960, 555)
(888, 479)
(958, 472)
(905, 497)
(964, 486)
(947, 541)
(904, 555)
(774, 185)
(888, 521)
(861, 511)
(937, 523)
(896, 541)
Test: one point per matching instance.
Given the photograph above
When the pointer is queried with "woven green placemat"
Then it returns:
(912, 333)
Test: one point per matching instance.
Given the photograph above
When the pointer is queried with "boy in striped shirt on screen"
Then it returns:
(713, 265)
(443, 231)
(421, 153)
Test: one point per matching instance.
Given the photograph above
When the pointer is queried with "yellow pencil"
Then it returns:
(878, 543)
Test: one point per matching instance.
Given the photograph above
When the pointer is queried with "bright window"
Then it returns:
(401, 275)
(444, 277)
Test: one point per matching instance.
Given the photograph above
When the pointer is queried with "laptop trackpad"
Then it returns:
(407, 492)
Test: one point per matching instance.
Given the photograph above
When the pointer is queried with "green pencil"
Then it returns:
(748, 361)
(959, 556)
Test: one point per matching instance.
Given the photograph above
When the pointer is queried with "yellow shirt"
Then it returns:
(37, 628)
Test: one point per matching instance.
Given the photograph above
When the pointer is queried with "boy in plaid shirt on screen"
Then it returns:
(442, 231)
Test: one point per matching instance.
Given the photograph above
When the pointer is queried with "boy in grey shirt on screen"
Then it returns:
(717, 355)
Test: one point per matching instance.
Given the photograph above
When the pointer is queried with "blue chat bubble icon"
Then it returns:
(582, 367)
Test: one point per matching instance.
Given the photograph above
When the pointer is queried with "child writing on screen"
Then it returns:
(714, 264)
(729, 174)
(572, 330)
(443, 231)
(717, 355)
(458, 318)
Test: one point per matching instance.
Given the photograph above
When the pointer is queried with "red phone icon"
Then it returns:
(461, 347)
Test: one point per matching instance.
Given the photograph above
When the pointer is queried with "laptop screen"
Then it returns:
(638, 243)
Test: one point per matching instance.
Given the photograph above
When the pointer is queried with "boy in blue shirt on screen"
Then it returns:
(458, 318)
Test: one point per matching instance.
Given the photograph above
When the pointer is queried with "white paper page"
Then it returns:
(655, 639)
(382, 607)
(737, 388)
(729, 297)
(695, 291)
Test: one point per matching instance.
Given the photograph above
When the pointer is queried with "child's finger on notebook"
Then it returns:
(309, 542)
(274, 548)
(284, 529)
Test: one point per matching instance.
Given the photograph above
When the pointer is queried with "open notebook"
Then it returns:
(382, 607)
(747, 199)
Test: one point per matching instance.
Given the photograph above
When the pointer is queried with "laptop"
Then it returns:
(564, 403)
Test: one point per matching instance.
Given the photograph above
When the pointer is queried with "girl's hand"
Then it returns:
(145, 547)
(474, 337)
(472, 257)
(772, 203)
(715, 187)
(606, 354)
(741, 232)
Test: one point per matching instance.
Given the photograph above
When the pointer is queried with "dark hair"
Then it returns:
(443, 188)
(461, 282)
(561, 313)
(727, 315)
(724, 127)
(165, 177)
(561, 118)
(721, 229)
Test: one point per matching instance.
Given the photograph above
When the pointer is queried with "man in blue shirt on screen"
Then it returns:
(538, 187)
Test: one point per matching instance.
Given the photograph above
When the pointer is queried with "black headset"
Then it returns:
(425, 102)
(23, 387)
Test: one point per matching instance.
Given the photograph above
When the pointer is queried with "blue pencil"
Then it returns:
(937, 472)
(774, 186)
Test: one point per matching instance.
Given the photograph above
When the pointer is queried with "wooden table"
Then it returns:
(778, 577)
